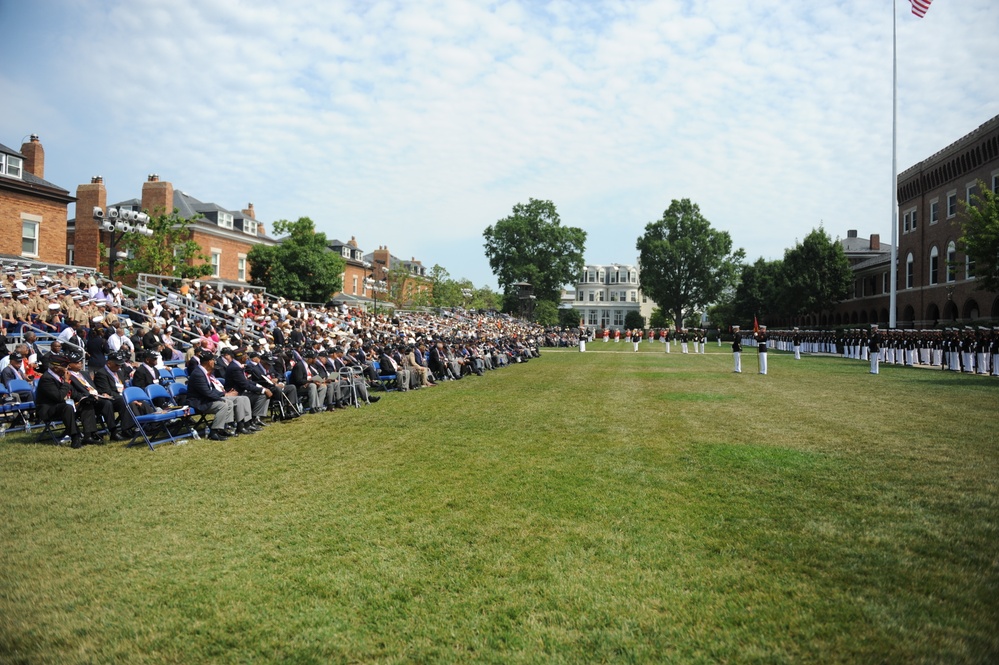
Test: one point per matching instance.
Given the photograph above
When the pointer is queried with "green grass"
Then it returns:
(607, 506)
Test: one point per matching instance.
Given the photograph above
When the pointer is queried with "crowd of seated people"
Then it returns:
(245, 356)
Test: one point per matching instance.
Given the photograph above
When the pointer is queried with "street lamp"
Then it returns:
(373, 284)
(118, 222)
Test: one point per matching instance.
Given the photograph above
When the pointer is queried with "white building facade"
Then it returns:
(606, 293)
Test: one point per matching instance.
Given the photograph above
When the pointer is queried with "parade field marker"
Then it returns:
(584, 507)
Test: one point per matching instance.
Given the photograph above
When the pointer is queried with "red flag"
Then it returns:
(920, 7)
(756, 324)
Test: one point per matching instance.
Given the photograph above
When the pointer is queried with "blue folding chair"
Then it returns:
(14, 416)
(164, 426)
(386, 382)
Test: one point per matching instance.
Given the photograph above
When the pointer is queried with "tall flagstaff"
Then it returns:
(919, 8)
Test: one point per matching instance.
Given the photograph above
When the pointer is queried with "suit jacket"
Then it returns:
(144, 375)
(299, 376)
(200, 392)
(104, 382)
(50, 395)
(9, 374)
(235, 379)
(256, 373)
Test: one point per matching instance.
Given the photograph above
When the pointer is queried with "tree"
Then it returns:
(980, 236)
(168, 251)
(532, 246)
(569, 318)
(686, 264)
(659, 319)
(485, 298)
(759, 293)
(546, 313)
(300, 267)
(446, 292)
(633, 320)
(816, 274)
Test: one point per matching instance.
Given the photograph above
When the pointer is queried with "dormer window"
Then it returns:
(249, 227)
(11, 165)
(225, 220)
(345, 251)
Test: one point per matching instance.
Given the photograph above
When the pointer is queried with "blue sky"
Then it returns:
(416, 125)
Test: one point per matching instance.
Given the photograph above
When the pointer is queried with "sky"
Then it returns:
(416, 125)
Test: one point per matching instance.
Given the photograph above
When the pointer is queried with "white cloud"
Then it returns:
(418, 124)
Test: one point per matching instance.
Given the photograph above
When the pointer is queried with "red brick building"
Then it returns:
(33, 211)
(390, 269)
(226, 236)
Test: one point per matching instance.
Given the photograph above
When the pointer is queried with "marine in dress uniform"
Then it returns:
(737, 350)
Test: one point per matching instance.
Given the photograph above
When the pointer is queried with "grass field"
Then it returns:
(606, 506)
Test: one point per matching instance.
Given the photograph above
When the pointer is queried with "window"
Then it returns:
(905, 222)
(600, 276)
(618, 318)
(951, 255)
(241, 267)
(934, 264)
(70, 254)
(934, 211)
(915, 218)
(633, 277)
(249, 227)
(591, 296)
(969, 191)
(593, 277)
(600, 295)
(969, 267)
(579, 296)
(613, 277)
(11, 165)
(634, 296)
(909, 271)
(355, 285)
(613, 296)
(345, 251)
(995, 182)
(29, 234)
(951, 203)
(216, 262)
(225, 221)
(885, 282)
(591, 317)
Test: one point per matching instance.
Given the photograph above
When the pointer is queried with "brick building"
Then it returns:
(936, 282)
(355, 289)
(33, 211)
(226, 236)
(391, 269)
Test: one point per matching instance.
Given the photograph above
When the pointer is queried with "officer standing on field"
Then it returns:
(736, 349)
(761, 346)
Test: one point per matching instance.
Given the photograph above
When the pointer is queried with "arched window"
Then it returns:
(909, 268)
(951, 257)
(934, 264)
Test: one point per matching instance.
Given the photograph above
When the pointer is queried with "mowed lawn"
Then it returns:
(599, 507)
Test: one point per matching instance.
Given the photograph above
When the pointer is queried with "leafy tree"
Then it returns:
(722, 314)
(686, 264)
(168, 251)
(634, 320)
(816, 274)
(569, 318)
(546, 313)
(399, 289)
(485, 298)
(980, 236)
(300, 267)
(532, 246)
(659, 319)
(446, 292)
(760, 291)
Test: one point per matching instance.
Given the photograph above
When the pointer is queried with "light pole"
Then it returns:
(117, 223)
(373, 284)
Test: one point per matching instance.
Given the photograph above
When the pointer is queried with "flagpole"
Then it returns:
(893, 298)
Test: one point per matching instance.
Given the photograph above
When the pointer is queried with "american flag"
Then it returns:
(919, 7)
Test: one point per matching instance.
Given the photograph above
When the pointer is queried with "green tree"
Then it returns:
(168, 251)
(659, 319)
(546, 313)
(300, 267)
(633, 320)
(532, 246)
(760, 292)
(686, 264)
(980, 236)
(486, 299)
(395, 284)
(446, 292)
(816, 274)
(722, 314)
(569, 318)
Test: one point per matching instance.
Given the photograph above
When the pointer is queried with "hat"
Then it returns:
(73, 356)
(205, 356)
(735, 328)
(226, 351)
(98, 319)
(119, 356)
(54, 306)
(149, 354)
(15, 356)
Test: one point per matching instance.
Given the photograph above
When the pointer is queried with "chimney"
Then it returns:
(87, 235)
(261, 231)
(875, 242)
(352, 242)
(852, 233)
(157, 196)
(248, 211)
(34, 157)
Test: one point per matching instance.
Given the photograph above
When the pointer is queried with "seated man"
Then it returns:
(15, 370)
(257, 373)
(307, 383)
(54, 400)
(146, 373)
(110, 381)
(205, 394)
(258, 396)
(88, 397)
